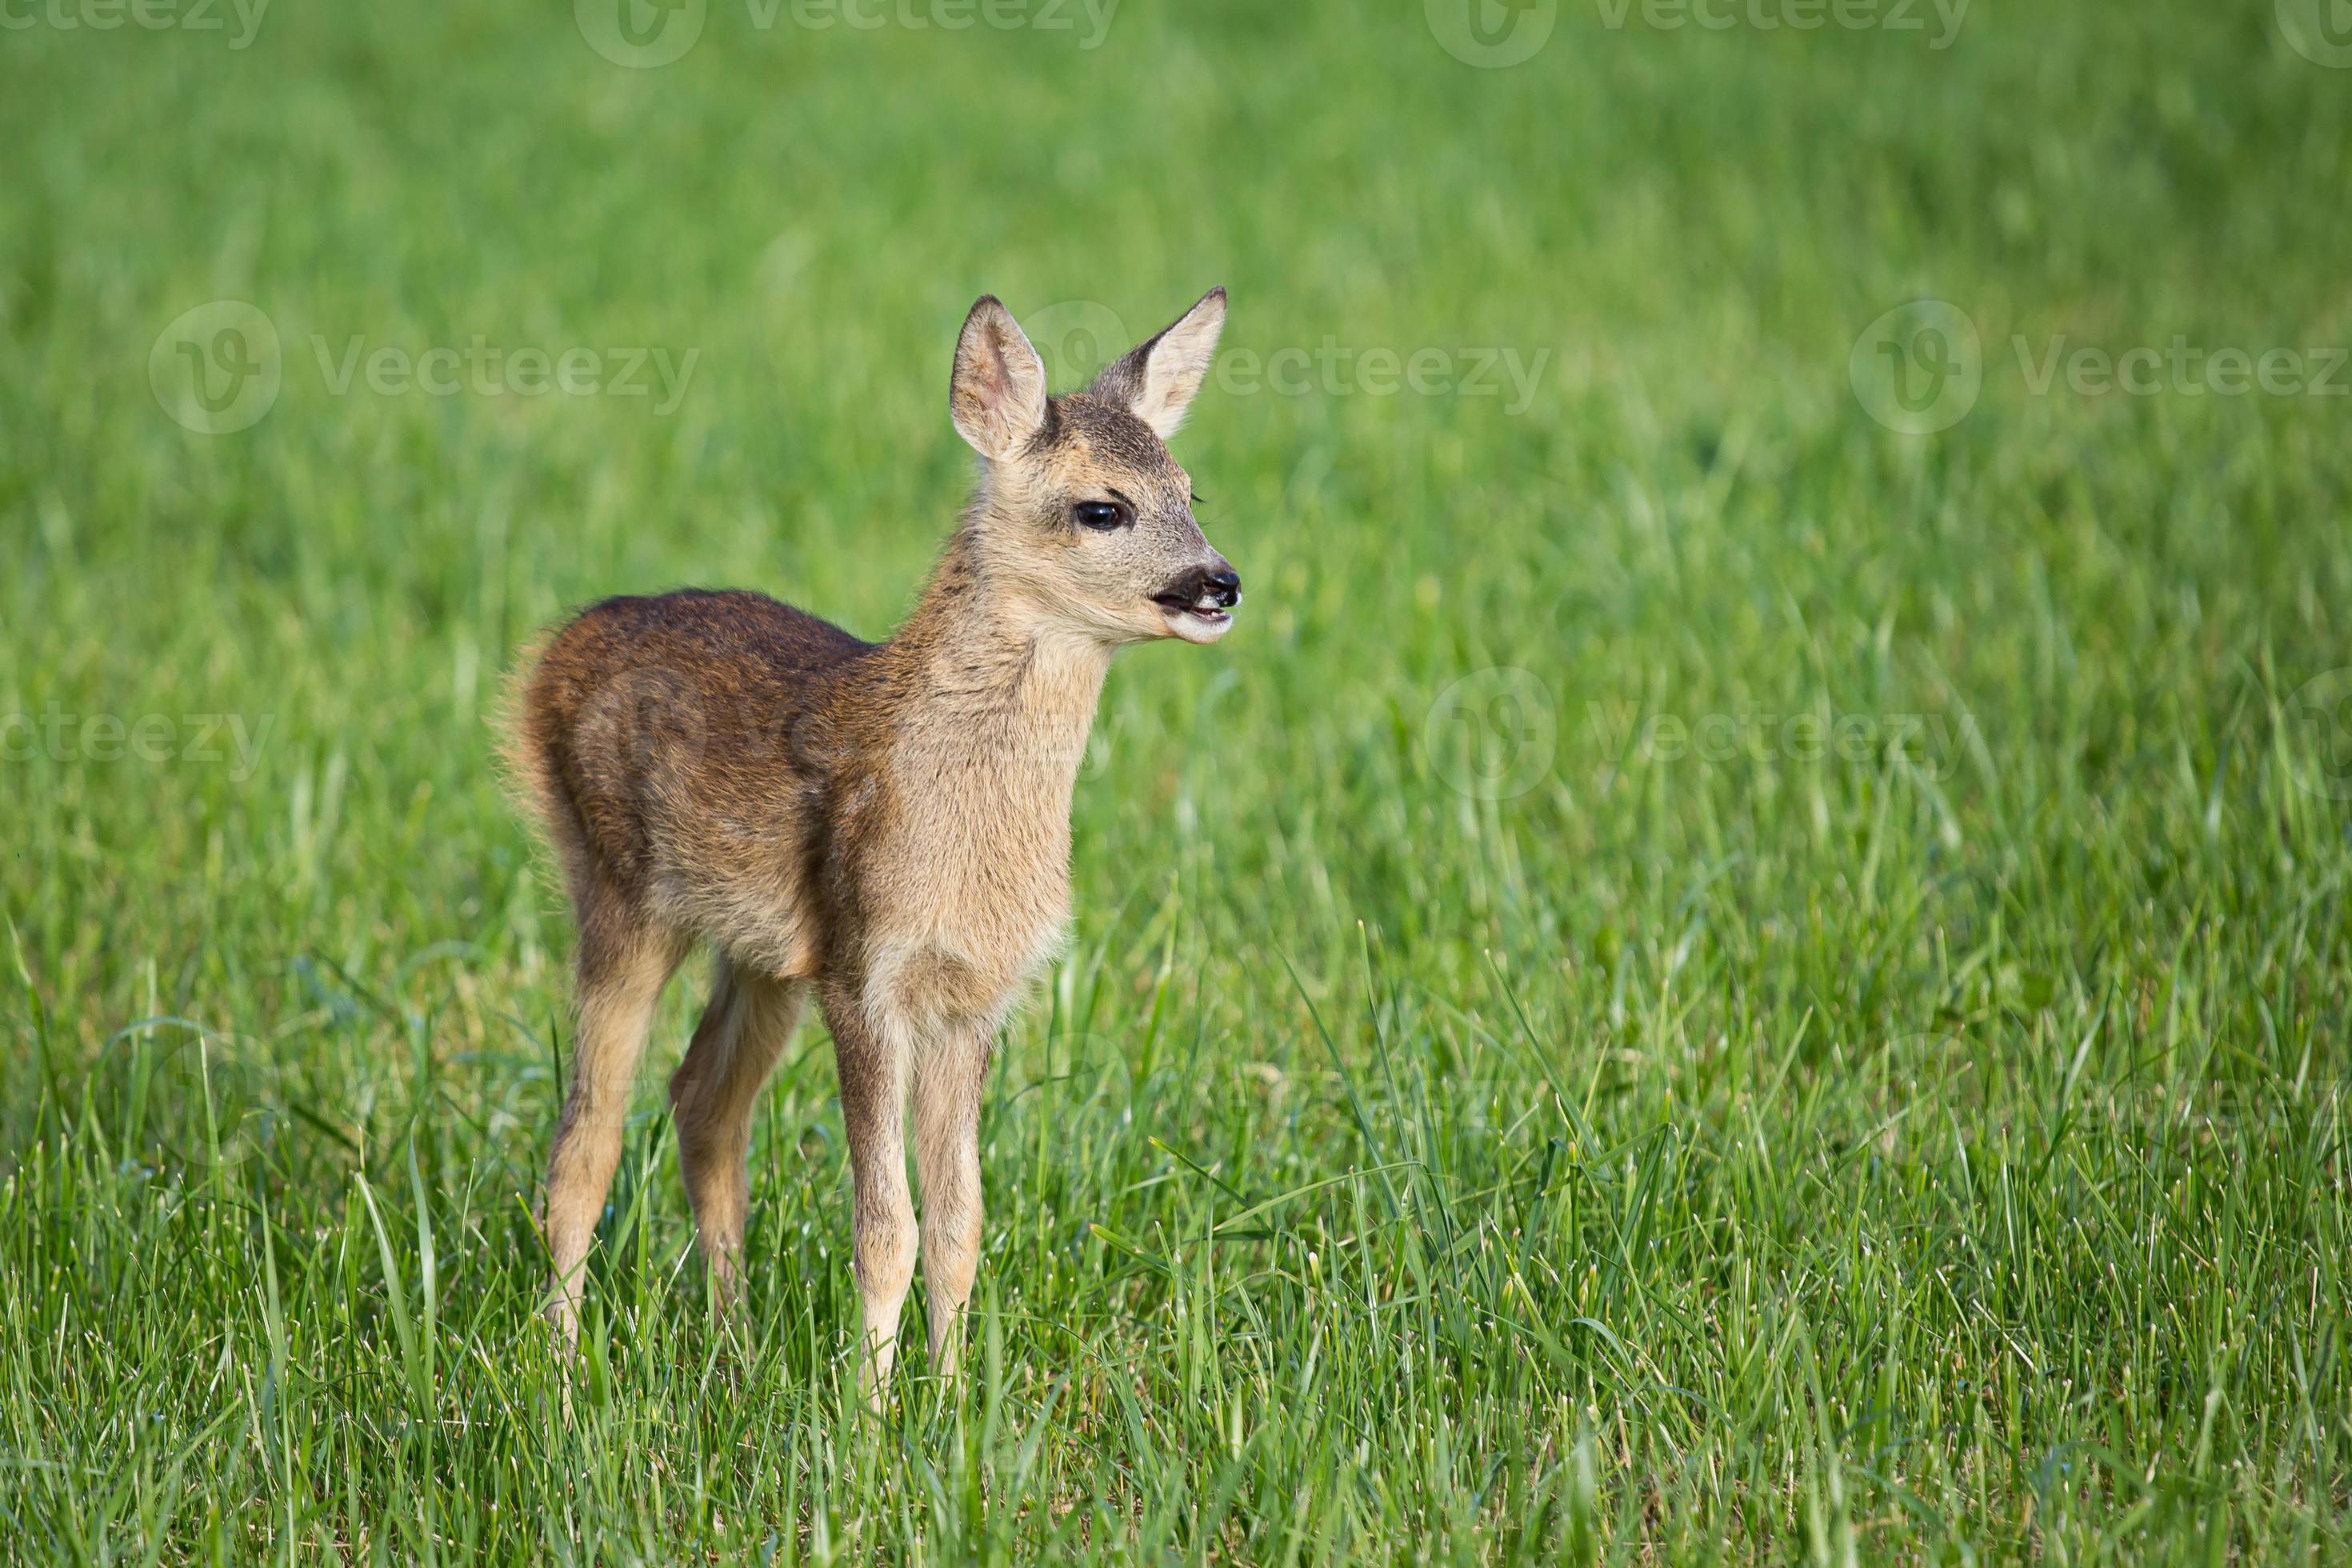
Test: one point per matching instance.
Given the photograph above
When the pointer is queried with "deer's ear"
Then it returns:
(1156, 381)
(998, 396)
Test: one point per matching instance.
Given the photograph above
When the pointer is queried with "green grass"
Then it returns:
(1807, 1147)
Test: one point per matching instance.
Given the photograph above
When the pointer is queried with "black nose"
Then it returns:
(1227, 587)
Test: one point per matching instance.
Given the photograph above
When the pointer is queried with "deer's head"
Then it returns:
(1083, 516)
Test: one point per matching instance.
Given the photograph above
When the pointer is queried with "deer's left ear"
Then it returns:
(1156, 381)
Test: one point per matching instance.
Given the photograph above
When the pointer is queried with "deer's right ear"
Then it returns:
(998, 396)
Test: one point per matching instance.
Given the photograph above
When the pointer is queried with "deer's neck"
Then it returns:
(998, 697)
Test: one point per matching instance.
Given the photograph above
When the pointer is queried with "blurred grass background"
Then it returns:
(1924, 1156)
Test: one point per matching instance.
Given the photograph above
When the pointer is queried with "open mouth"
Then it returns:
(1201, 616)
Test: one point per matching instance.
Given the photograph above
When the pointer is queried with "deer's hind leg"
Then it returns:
(744, 1028)
(624, 960)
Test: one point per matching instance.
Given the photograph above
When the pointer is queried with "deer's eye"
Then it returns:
(1103, 515)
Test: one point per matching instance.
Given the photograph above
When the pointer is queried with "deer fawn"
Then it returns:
(885, 823)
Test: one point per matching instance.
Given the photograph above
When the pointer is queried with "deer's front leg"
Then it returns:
(873, 1067)
(948, 1077)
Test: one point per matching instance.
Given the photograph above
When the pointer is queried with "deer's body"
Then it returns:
(886, 825)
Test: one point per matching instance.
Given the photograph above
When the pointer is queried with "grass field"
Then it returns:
(1712, 973)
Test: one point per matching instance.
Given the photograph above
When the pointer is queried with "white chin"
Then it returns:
(1198, 626)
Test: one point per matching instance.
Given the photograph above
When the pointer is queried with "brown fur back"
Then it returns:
(665, 737)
